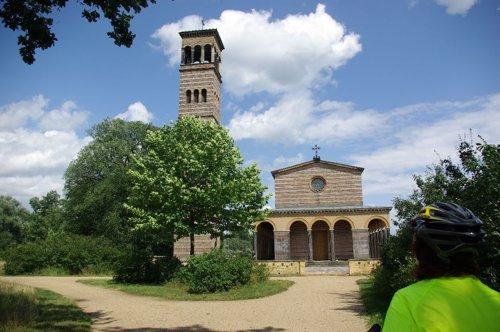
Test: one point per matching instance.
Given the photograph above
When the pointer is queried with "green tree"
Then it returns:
(471, 182)
(34, 19)
(47, 217)
(96, 183)
(13, 220)
(191, 180)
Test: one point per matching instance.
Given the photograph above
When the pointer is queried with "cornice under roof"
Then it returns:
(204, 33)
(331, 209)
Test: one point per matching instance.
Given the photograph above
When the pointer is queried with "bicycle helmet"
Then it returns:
(448, 228)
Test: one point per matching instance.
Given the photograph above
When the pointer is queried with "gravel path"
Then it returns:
(319, 303)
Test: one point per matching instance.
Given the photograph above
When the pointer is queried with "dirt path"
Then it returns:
(319, 303)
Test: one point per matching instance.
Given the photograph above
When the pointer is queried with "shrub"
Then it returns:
(260, 273)
(62, 252)
(141, 266)
(216, 271)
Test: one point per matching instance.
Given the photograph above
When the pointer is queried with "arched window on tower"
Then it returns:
(188, 96)
(208, 53)
(187, 55)
(196, 96)
(197, 54)
(204, 95)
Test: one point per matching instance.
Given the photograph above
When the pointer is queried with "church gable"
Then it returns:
(318, 183)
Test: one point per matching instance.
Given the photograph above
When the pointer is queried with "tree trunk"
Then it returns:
(221, 238)
(191, 244)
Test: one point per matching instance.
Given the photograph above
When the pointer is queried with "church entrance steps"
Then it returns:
(337, 268)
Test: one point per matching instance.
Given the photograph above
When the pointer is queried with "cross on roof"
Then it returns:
(316, 148)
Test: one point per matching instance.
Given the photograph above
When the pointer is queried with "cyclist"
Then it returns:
(448, 295)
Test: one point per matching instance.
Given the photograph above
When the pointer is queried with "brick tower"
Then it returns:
(200, 79)
(199, 95)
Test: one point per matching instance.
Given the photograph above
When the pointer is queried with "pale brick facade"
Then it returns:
(343, 186)
(200, 79)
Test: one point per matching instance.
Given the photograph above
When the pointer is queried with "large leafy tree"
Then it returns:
(13, 221)
(191, 180)
(96, 182)
(47, 217)
(472, 181)
(34, 19)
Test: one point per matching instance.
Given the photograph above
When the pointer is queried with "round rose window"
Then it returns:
(318, 184)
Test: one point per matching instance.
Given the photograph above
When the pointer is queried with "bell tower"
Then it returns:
(200, 79)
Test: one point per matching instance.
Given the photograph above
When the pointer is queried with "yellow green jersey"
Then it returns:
(444, 304)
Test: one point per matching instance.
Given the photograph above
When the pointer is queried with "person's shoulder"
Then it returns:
(415, 289)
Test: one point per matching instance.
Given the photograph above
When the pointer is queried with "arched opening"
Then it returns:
(342, 237)
(208, 53)
(375, 224)
(377, 237)
(188, 96)
(320, 240)
(187, 55)
(197, 54)
(265, 241)
(299, 241)
(204, 95)
(196, 96)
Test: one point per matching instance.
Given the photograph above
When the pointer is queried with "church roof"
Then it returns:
(326, 209)
(204, 33)
(318, 161)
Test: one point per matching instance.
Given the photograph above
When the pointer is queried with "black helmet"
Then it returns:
(448, 228)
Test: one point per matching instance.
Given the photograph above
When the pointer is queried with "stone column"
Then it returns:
(192, 55)
(310, 241)
(202, 54)
(281, 245)
(183, 56)
(332, 245)
(360, 244)
(212, 56)
(255, 245)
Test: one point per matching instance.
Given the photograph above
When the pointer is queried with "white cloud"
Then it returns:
(274, 55)
(136, 112)
(297, 119)
(67, 118)
(17, 114)
(37, 145)
(425, 140)
(454, 7)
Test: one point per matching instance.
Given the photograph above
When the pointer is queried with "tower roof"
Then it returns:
(203, 33)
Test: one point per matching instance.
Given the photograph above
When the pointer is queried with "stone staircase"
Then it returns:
(336, 268)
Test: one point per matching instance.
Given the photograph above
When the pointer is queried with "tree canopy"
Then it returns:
(47, 217)
(191, 180)
(13, 220)
(96, 182)
(34, 19)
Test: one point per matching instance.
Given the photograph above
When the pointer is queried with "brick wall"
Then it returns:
(202, 243)
(343, 187)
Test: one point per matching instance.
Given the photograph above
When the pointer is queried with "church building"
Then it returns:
(319, 214)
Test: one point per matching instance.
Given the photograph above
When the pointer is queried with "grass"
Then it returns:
(178, 292)
(374, 309)
(30, 309)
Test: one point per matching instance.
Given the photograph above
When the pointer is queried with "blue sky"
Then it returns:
(386, 85)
